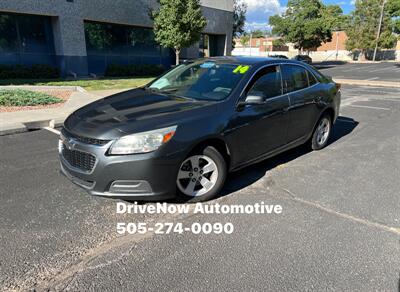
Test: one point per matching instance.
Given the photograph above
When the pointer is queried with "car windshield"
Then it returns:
(205, 80)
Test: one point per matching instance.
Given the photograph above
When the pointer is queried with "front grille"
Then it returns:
(79, 159)
(86, 140)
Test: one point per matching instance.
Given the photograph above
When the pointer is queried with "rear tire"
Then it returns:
(322, 132)
(202, 175)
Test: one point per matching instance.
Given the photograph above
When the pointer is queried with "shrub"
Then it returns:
(45, 71)
(115, 70)
(19, 97)
(37, 71)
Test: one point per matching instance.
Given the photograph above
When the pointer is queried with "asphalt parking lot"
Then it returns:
(339, 230)
(385, 71)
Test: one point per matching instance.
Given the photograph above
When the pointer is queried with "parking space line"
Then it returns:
(380, 69)
(52, 130)
(348, 70)
(370, 107)
(349, 101)
(390, 99)
(343, 215)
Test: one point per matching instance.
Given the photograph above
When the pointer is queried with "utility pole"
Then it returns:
(251, 38)
(379, 29)
(251, 33)
(337, 44)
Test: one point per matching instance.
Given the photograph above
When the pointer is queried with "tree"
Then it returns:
(178, 24)
(393, 7)
(334, 18)
(363, 27)
(239, 19)
(244, 40)
(278, 43)
(258, 33)
(306, 23)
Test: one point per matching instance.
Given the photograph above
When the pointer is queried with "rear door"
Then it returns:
(261, 128)
(304, 94)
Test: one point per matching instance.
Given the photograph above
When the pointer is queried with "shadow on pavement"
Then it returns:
(251, 174)
(328, 64)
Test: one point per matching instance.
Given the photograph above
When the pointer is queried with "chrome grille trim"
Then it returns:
(85, 140)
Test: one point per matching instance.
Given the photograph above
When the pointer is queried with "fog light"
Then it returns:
(130, 186)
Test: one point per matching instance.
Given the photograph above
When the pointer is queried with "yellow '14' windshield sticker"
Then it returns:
(241, 69)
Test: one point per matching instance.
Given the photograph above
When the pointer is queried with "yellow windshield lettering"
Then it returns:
(241, 69)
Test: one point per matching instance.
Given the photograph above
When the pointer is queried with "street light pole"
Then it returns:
(379, 29)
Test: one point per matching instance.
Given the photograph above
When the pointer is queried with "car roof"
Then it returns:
(248, 60)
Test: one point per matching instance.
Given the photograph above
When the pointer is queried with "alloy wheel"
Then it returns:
(323, 131)
(197, 175)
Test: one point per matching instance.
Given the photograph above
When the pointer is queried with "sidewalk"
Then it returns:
(22, 121)
(367, 82)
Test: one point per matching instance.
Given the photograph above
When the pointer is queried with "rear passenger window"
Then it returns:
(294, 77)
(267, 83)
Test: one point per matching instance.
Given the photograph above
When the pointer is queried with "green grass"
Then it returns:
(19, 97)
(92, 84)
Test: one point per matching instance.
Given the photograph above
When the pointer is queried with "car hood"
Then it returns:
(134, 111)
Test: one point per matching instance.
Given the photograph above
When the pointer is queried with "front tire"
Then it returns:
(322, 133)
(202, 175)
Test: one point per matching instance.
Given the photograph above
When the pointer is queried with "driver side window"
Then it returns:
(267, 83)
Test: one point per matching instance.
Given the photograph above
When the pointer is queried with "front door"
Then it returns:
(258, 129)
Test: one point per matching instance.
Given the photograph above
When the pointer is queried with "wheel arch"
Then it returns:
(330, 111)
(216, 142)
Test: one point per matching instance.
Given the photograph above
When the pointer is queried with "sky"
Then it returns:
(258, 11)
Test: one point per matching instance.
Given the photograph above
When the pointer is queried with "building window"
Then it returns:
(114, 39)
(25, 34)
(8, 34)
(108, 43)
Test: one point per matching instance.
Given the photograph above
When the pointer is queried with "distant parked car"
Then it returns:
(303, 58)
(279, 56)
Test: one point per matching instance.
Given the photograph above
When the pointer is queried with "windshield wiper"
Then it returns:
(170, 91)
(157, 90)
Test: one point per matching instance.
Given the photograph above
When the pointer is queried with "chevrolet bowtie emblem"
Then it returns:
(70, 144)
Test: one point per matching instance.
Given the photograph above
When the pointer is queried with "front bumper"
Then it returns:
(150, 176)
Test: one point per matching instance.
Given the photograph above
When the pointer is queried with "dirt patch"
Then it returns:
(61, 94)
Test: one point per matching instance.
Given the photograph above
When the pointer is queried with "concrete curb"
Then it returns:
(368, 82)
(31, 126)
(44, 87)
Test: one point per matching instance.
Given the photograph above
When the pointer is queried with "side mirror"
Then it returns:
(251, 99)
(254, 99)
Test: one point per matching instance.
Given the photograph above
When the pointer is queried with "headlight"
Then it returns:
(142, 142)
